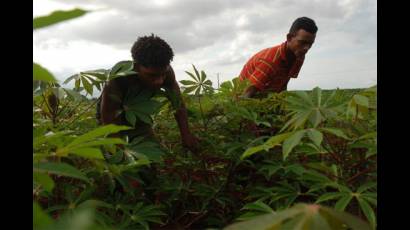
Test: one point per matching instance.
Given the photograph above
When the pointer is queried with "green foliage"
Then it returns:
(62, 169)
(200, 83)
(313, 109)
(41, 74)
(56, 17)
(98, 78)
(258, 158)
(303, 216)
(234, 88)
(140, 106)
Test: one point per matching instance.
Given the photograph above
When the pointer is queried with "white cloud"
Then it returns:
(216, 36)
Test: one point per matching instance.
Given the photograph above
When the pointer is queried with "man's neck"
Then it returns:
(290, 56)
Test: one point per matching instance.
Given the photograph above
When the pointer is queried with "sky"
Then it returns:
(217, 36)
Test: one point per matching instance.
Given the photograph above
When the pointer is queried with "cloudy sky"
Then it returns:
(217, 36)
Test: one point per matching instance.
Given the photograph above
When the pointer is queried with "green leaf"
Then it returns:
(203, 76)
(311, 175)
(317, 96)
(149, 149)
(147, 107)
(62, 169)
(190, 89)
(87, 85)
(267, 221)
(40, 219)
(369, 198)
(73, 77)
(93, 82)
(297, 121)
(95, 204)
(361, 100)
(305, 97)
(91, 153)
(187, 82)
(317, 221)
(258, 206)
(77, 85)
(336, 132)
(343, 202)
(366, 186)
(368, 136)
(56, 17)
(270, 169)
(73, 94)
(144, 118)
(98, 132)
(192, 76)
(291, 142)
(368, 211)
(270, 143)
(316, 136)
(44, 180)
(42, 74)
(131, 117)
(198, 90)
(348, 219)
(208, 83)
(197, 74)
(315, 117)
(276, 140)
(100, 142)
(252, 150)
(328, 196)
(119, 67)
(98, 73)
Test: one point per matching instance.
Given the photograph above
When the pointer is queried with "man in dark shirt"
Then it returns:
(151, 56)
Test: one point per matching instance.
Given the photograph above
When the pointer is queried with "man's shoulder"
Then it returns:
(268, 54)
(119, 84)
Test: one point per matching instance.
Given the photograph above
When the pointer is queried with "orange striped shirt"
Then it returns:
(269, 69)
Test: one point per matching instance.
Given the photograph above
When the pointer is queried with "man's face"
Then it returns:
(300, 42)
(152, 77)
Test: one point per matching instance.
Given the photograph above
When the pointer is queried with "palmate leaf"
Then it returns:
(302, 216)
(310, 109)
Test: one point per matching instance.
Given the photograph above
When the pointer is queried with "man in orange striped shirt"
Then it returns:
(270, 69)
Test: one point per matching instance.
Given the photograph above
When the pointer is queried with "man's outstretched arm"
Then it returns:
(188, 139)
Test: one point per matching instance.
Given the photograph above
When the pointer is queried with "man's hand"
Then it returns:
(191, 142)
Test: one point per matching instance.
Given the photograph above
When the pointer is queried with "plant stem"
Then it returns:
(202, 112)
(358, 174)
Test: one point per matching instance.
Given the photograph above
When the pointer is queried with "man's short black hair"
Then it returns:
(152, 51)
(303, 23)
